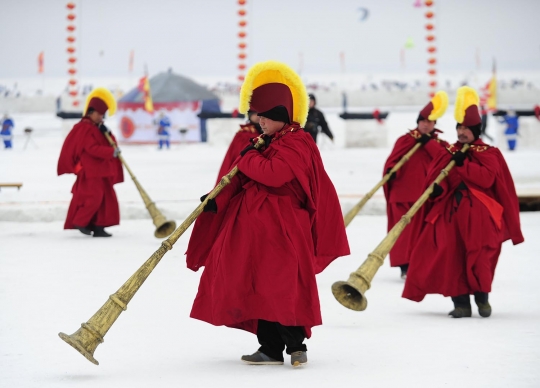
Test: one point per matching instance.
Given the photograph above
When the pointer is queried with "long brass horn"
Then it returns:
(356, 208)
(163, 227)
(351, 293)
(90, 335)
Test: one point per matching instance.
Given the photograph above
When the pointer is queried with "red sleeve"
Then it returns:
(434, 148)
(482, 175)
(92, 147)
(273, 172)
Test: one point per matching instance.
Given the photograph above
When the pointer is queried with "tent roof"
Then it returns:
(170, 87)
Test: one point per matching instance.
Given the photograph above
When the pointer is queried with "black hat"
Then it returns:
(278, 113)
(475, 129)
(312, 97)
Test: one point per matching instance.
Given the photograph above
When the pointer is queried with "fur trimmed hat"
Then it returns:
(466, 111)
(435, 108)
(101, 100)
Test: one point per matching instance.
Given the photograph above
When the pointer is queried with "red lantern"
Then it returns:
(70, 5)
(431, 49)
(242, 2)
(75, 103)
(242, 12)
(433, 84)
(71, 39)
(432, 71)
(430, 27)
(242, 34)
(241, 78)
(431, 94)
(430, 38)
(71, 50)
(242, 56)
(71, 16)
(428, 3)
(242, 45)
(429, 14)
(71, 28)
(242, 66)
(73, 93)
(242, 23)
(73, 82)
(72, 60)
(432, 61)
(72, 71)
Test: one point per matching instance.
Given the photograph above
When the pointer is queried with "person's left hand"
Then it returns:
(103, 128)
(459, 158)
(211, 205)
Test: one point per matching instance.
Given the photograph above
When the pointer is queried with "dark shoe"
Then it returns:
(259, 358)
(481, 300)
(99, 231)
(298, 358)
(462, 307)
(404, 269)
(84, 230)
(461, 312)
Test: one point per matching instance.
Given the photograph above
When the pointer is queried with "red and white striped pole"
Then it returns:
(242, 35)
(73, 89)
(431, 47)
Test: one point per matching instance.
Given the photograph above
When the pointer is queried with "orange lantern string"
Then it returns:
(72, 60)
(431, 94)
(430, 27)
(432, 71)
(73, 93)
(71, 16)
(241, 77)
(71, 39)
(242, 45)
(73, 82)
(428, 3)
(242, 23)
(71, 50)
(242, 2)
(431, 49)
(432, 61)
(433, 84)
(71, 28)
(242, 56)
(242, 12)
(242, 66)
(242, 34)
(429, 14)
(430, 38)
(70, 5)
(72, 71)
(75, 103)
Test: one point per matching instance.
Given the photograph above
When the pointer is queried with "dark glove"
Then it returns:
(437, 190)
(393, 176)
(247, 149)
(459, 157)
(116, 152)
(424, 139)
(103, 128)
(211, 205)
(267, 140)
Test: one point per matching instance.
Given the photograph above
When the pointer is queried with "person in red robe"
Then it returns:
(470, 214)
(242, 138)
(272, 229)
(87, 154)
(405, 185)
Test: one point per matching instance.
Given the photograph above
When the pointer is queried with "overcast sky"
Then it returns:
(199, 37)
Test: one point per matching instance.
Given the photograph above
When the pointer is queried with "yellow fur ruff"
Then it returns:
(105, 95)
(440, 103)
(263, 73)
(466, 96)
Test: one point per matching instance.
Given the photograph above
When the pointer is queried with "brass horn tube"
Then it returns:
(163, 227)
(356, 208)
(351, 293)
(90, 334)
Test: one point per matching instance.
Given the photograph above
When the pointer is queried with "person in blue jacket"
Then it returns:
(6, 131)
(512, 126)
(163, 130)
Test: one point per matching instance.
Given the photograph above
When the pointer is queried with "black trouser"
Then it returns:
(273, 338)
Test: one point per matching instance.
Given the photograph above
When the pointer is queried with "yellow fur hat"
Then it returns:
(436, 107)
(270, 84)
(466, 111)
(101, 99)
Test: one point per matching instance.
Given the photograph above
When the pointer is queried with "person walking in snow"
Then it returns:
(164, 124)
(7, 131)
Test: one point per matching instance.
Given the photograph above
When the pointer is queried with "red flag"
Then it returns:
(40, 62)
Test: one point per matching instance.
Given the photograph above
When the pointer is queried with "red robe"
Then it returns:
(278, 224)
(458, 245)
(403, 191)
(87, 153)
(238, 143)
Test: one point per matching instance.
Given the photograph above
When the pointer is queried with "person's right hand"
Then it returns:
(116, 152)
(424, 139)
(211, 205)
(437, 190)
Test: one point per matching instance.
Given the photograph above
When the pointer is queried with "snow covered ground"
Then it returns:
(51, 280)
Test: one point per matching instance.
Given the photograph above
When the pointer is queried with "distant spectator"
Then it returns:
(512, 126)
(6, 132)
(164, 135)
(316, 122)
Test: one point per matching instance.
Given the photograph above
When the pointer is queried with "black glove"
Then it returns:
(267, 140)
(247, 149)
(393, 176)
(459, 157)
(103, 128)
(437, 190)
(211, 205)
(424, 139)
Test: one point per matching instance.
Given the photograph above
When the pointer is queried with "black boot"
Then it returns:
(84, 230)
(404, 269)
(462, 306)
(481, 300)
(99, 231)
